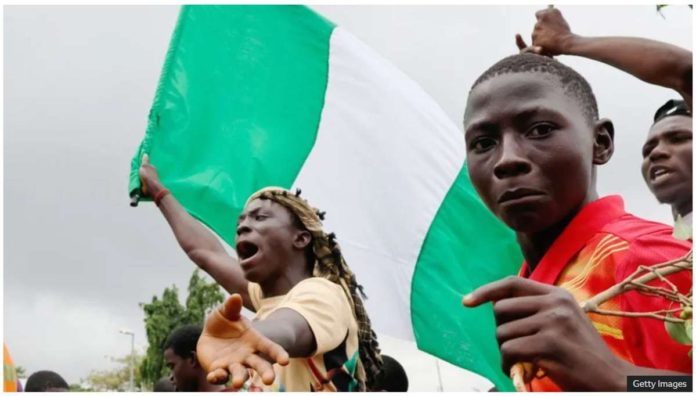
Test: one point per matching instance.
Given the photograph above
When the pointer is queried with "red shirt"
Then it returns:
(600, 247)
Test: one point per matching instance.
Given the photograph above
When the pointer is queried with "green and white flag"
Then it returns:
(255, 96)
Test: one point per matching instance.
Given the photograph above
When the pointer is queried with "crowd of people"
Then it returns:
(534, 142)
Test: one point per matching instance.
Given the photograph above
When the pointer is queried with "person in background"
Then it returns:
(187, 375)
(164, 384)
(392, 378)
(667, 159)
(46, 381)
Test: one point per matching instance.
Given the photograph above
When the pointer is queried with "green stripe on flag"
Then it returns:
(466, 247)
(241, 94)
(238, 107)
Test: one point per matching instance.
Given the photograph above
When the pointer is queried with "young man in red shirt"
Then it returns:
(533, 140)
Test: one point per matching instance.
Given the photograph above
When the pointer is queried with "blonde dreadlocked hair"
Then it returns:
(330, 264)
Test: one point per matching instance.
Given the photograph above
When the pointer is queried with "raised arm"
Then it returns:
(652, 61)
(201, 245)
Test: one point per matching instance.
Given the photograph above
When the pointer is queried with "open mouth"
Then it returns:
(246, 250)
(658, 171)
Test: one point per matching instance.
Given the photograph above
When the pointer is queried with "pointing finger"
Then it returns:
(512, 286)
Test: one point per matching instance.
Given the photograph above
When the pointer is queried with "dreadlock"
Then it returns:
(330, 264)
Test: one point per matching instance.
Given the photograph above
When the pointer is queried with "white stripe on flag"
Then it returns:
(385, 157)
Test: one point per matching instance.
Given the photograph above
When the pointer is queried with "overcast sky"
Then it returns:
(79, 81)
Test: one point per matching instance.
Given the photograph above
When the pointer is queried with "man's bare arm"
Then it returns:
(652, 61)
(290, 330)
(201, 245)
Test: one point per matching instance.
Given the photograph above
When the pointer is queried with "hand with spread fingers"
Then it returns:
(544, 325)
(550, 36)
(229, 346)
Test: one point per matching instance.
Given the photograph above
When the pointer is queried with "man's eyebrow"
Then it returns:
(251, 212)
(484, 125)
(653, 140)
(528, 113)
(534, 111)
(650, 143)
(525, 114)
(676, 131)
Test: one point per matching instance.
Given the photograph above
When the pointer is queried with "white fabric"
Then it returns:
(385, 157)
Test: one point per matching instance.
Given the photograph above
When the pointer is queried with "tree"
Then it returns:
(21, 372)
(79, 388)
(164, 314)
(117, 379)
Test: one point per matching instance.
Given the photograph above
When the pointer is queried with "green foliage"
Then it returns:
(21, 372)
(164, 314)
(679, 332)
(202, 298)
(682, 332)
(79, 388)
(117, 379)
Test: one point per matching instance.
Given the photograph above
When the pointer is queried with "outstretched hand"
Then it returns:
(544, 324)
(148, 177)
(229, 345)
(551, 34)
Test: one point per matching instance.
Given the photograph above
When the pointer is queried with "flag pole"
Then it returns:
(439, 377)
(135, 198)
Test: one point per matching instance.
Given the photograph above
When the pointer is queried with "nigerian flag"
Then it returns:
(255, 96)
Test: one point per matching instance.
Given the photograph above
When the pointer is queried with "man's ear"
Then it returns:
(302, 239)
(603, 146)
(193, 360)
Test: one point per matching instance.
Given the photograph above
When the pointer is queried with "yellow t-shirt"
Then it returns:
(327, 310)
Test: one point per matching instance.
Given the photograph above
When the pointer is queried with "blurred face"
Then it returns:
(265, 239)
(184, 371)
(667, 164)
(529, 150)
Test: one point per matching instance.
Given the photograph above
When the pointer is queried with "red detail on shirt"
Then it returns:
(600, 247)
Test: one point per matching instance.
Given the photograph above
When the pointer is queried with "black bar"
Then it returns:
(659, 383)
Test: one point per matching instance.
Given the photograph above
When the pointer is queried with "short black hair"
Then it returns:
(392, 377)
(573, 83)
(45, 381)
(183, 340)
(673, 107)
